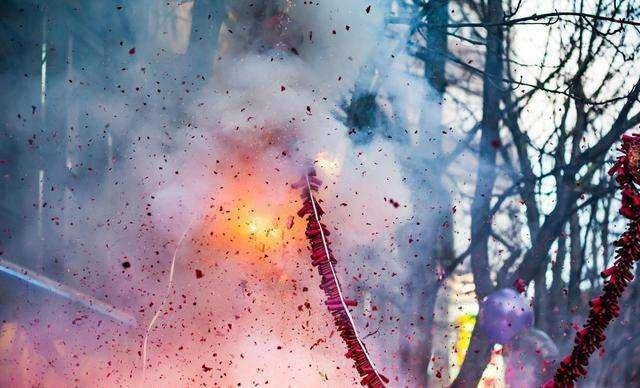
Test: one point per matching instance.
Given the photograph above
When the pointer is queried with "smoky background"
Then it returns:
(456, 159)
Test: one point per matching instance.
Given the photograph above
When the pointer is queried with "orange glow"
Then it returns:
(249, 223)
(260, 230)
(245, 228)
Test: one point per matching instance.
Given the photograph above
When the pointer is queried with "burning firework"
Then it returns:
(337, 304)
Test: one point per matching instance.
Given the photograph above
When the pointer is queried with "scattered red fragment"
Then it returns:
(290, 221)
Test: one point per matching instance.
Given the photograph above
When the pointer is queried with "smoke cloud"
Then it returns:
(131, 154)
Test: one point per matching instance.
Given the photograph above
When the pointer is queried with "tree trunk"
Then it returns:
(476, 359)
(576, 262)
(556, 305)
(541, 306)
(480, 346)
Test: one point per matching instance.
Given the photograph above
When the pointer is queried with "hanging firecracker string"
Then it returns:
(605, 308)
(337, 304)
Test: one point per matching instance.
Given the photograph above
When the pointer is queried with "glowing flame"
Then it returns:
(248, 228)
(261, 229)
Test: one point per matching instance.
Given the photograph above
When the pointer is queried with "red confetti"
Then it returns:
(199, 274)
(290, 221)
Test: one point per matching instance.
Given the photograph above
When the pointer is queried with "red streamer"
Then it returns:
(605, 308)
(337, 304)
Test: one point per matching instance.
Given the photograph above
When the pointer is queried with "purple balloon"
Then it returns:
(504, 313)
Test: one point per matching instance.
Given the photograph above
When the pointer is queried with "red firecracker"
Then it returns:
(337, 304)
(605, 308)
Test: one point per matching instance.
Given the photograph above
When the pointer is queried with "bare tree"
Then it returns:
(572, 153)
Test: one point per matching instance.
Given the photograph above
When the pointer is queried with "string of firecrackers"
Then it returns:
(323, 258)
(605, 308)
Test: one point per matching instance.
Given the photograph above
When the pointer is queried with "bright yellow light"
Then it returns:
(252, 227)
(328, 163)
(262, 230)
(261, 225)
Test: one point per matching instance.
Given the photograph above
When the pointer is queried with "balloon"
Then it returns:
(504, 313)
(528, 358)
